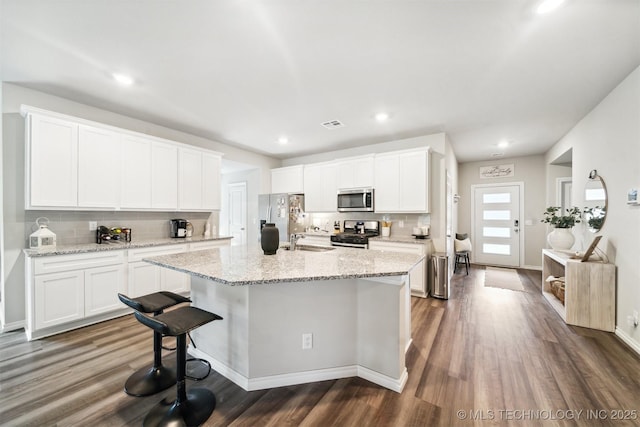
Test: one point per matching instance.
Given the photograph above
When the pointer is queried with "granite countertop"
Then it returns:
(247, 265)
(94, 247)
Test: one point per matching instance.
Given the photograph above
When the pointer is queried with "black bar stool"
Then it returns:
(155, 378)
(191, 408)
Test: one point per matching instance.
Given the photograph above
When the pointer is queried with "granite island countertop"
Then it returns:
(247, 265)
(94, 247)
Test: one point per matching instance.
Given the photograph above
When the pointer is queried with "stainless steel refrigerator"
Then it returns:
(286, 211)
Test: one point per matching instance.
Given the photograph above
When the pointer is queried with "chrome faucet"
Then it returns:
(293, 239)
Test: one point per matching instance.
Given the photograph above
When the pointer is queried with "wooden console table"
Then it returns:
(590, 290)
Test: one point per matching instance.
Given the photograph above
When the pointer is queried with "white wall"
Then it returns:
(17, 222)
(531, 171)
(608, 139)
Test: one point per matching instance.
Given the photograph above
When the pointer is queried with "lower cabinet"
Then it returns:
(145, 278)
(65, 292)
(68, 288)
(418, 276)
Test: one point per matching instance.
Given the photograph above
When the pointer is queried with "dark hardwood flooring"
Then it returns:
(503, 357)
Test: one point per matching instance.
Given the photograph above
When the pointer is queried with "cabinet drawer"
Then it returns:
(408, 248)
(58, 263)
(140, 253)
(209, 244)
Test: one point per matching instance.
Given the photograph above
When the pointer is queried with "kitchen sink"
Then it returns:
(312, 248)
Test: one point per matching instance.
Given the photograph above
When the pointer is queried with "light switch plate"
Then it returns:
(93, 225)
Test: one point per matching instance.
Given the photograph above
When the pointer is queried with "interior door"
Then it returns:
(238, 213)
(496, 233)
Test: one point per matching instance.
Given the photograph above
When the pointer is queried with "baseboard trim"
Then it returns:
(13, 326)
(626, 338)
(283, 380)
(532, 267)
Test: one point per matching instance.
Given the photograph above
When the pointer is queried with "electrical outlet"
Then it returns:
(307, 341)
(401, 224)
(93, 225)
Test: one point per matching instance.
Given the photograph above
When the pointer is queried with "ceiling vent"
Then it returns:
(497, 154)
(333, 124)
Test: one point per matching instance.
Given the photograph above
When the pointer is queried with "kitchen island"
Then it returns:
(301, 316)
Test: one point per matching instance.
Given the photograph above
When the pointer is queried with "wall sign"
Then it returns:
(498, 171)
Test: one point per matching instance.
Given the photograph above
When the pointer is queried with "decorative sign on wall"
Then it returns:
(498, 171)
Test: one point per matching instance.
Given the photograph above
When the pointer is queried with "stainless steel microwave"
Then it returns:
(355, 200)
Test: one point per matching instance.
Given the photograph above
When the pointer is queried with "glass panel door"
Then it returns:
(497, 225)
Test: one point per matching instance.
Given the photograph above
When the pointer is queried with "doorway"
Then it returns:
(496, 224)
(238, 213)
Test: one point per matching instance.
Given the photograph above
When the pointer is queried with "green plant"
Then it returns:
(552, 217)
(594, 216)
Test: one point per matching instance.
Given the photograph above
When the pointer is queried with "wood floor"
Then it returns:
(486, 356)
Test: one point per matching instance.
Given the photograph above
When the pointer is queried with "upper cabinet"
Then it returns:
(199, 180)
(402, 181)
(320, 187)
(289, 179)
(355, 172)
(73, 163)
(52, 162)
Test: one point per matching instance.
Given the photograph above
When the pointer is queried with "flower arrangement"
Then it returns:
(552, 216)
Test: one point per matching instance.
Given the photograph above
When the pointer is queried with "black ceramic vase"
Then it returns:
(270, 239)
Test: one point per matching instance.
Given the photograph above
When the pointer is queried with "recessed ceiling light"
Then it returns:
(548, 5)
(283, 140)
(123, 79)
(381, 117)
(503, 144)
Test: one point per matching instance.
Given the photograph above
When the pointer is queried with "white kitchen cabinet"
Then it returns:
(145, 278)
(136, 164)
(52, 162)
(164, 176)
(289, 179)
(320, 187)
(402, 181)
(199, 180)
(101, 288)
(355, 172)
(99, 164)
(78, 290)
(418, 276)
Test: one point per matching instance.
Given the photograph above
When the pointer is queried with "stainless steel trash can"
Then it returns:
(439, 283)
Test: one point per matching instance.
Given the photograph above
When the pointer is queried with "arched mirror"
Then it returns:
(595, 196)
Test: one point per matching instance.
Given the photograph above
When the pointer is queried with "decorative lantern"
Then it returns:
(42, 238)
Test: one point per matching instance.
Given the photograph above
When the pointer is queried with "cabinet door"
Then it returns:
(211, 164)
(53, 162)
(59, 298)
(320, 187)
(136, 173)
(174, 281)
(190, 182)
(101, 287)
(164, 176)
(99, 159)
(144, 278)
(289, 179)
(417, 276)
(355, 173)
(413, 182)
(387, 181)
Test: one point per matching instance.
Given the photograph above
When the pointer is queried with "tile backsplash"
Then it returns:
(325, 221)
(72, 227)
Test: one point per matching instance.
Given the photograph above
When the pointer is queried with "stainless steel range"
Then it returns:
(356, 234)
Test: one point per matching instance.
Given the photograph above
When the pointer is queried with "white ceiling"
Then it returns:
(246, 72)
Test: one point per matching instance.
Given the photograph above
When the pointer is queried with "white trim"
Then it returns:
(626, 338)
(80, 323)
(283, 380)
(532, 267)
(13, 326)
(560, 183)
(520, 184)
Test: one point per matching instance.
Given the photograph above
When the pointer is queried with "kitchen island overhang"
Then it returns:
(354, 303)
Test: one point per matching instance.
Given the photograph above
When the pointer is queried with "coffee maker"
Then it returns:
(178, 228)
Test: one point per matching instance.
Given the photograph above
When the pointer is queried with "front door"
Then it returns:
(496, 220)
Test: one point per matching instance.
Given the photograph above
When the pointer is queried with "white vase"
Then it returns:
(561, 239)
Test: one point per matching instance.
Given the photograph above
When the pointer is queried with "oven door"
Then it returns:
(356, 200)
